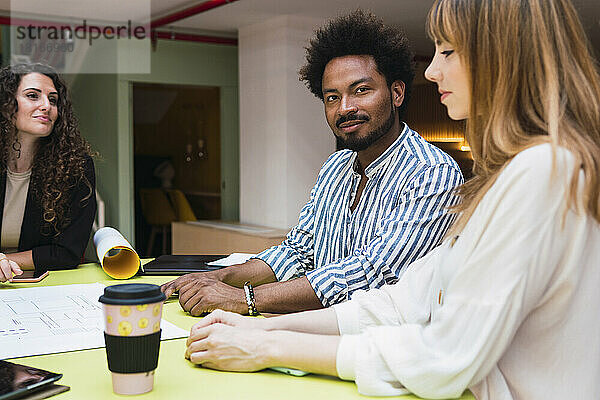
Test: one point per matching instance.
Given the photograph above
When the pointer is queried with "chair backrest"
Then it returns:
(156, 207)
(183, 210)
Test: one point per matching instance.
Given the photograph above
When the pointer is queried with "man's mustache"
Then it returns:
(350, 117)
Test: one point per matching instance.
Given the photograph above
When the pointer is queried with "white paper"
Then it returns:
(54, 319)
(234, 258)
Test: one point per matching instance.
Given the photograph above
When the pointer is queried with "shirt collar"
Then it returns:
(385, 156)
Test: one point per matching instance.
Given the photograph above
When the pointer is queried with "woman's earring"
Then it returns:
(17, 147)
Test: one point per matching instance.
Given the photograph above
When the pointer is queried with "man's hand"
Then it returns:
(203, 292)
(173, 286)
(8, 269)
(228, 348)
(204, 295)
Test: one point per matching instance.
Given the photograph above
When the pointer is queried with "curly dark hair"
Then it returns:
(360, 33)
(59, 161)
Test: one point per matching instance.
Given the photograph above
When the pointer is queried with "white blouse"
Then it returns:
(511, 311)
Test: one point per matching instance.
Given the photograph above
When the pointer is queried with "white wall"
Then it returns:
(284, 138)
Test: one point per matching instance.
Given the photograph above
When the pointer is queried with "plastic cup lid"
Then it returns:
(132, 293)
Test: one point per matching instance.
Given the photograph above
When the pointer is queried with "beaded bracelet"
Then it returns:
(252, 311)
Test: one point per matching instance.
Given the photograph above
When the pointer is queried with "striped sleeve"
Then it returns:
(295, 255)
(411, 230)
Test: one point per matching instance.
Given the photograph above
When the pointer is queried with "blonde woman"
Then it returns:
(508, 306)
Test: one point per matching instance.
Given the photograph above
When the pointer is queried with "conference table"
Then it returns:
(87, 375)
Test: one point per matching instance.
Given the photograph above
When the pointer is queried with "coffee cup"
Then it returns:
(132, 314)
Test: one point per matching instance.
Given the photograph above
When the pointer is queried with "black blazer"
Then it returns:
(65, 250)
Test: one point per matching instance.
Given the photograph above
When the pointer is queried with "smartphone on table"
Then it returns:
(20, 380)
(30, 276)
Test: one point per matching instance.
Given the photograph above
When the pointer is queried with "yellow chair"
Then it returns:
(159, 214)
(182, 207)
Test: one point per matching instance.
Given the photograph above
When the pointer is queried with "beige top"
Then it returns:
(17, 185)
(511, 310)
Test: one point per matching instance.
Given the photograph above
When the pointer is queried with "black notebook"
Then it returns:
(180, 264)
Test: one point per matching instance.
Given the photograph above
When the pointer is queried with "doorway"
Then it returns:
(177, 148)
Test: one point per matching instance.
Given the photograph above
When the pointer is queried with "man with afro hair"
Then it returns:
(379, 203)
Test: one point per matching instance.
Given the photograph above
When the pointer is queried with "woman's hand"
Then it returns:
(230, 319)
(8, 269)
(231, 342)
(227, 341)
(227, 347)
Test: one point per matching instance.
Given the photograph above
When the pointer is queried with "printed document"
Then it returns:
(54, 319)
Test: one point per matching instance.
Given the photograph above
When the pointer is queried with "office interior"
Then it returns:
(222, 118)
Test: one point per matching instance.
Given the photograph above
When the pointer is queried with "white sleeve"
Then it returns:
(486, 283)
(377, 307)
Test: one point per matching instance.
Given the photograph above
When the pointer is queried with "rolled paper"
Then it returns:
(117, 258)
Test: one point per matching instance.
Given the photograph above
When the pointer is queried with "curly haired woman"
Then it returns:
(47, 180)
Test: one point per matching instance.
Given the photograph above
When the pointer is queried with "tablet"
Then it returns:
(18, 380)
(181, 264)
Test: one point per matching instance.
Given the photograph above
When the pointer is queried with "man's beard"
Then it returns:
(354, 143)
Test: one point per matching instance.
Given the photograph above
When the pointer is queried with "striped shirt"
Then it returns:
(401, 215)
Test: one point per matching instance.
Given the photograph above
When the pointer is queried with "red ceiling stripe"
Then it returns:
(196, 38)
(189, 12)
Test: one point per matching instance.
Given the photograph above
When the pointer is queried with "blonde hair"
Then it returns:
(533, 80)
